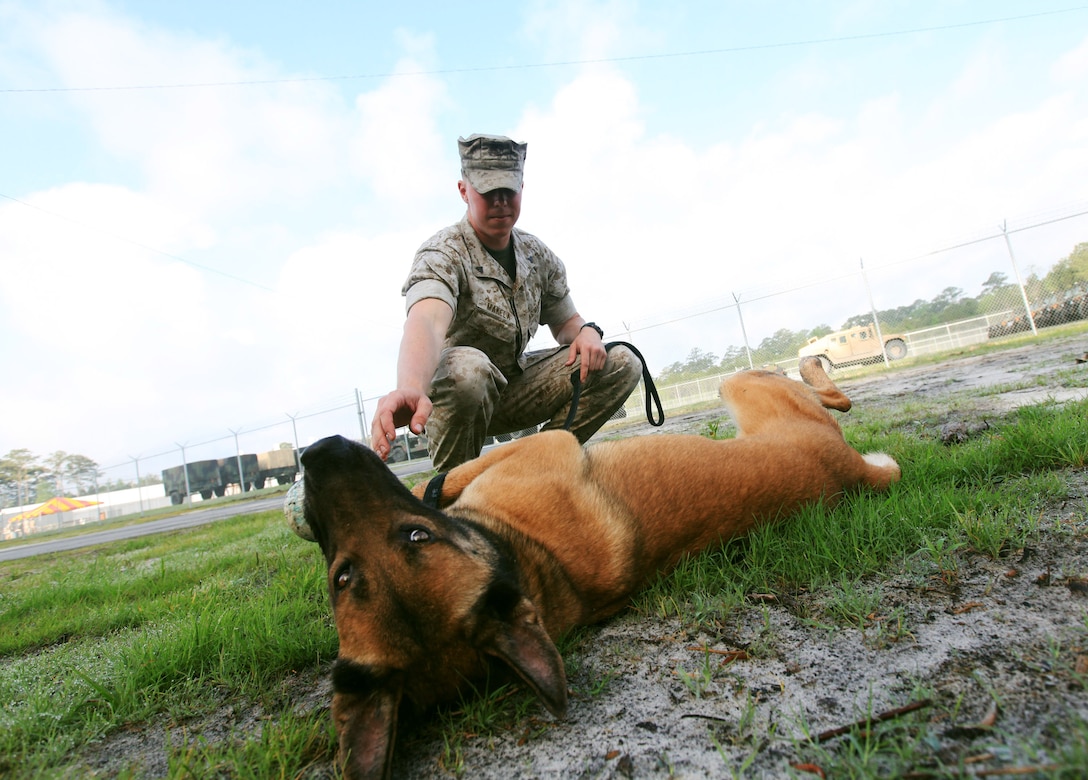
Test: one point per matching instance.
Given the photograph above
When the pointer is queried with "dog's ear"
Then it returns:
(520, 640)
(367, 727)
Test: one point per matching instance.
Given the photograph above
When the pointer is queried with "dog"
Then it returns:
(541, 535)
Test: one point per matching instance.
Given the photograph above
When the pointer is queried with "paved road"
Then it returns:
(186, 520)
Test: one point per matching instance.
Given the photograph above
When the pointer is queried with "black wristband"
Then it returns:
(595, 327)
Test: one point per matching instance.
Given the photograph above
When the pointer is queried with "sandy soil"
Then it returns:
(1000, 650)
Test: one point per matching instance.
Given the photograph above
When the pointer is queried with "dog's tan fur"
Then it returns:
(541, 535)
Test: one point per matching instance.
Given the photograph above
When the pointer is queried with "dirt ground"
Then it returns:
(984, 640)
(999, 648)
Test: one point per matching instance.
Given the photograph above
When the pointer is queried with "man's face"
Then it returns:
(492, 215)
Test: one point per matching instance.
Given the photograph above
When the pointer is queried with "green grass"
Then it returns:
(983, 495)
(160, 633)
(159, 629)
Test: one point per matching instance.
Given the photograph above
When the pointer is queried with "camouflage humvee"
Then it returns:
(854, 345)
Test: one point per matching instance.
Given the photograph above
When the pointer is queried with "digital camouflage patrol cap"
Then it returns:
(491, 162)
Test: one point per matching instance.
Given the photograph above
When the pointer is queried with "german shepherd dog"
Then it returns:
(541, 535)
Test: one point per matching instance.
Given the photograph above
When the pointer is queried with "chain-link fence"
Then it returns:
(921, 300)
(874, 314)
(880, 314)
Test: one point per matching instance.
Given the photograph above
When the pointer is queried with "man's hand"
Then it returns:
(424, 330)
(396, 410)
(588, 344)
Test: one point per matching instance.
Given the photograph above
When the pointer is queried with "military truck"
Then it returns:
(853, 346)
(205, 478)
(408, 446)
(212, 477)
(281, 465)
(228, 472)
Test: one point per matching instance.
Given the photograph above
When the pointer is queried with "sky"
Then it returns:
(207, 209)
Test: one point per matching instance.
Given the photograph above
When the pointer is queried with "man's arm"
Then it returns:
(420, 347)
(583, 341)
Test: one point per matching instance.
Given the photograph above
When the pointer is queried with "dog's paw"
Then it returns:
(292, 510)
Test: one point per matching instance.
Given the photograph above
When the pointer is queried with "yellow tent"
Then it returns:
(54, 505)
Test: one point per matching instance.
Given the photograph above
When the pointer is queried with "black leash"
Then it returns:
(433, 493)
(647, 381)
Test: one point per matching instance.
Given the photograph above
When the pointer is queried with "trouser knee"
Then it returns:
(625, 368)
(466, 381)
(464, 391)
(604, 392)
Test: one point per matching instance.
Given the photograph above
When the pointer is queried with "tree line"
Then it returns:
(950, 305)
(26, 478)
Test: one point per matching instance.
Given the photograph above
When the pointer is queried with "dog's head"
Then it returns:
(422, 601)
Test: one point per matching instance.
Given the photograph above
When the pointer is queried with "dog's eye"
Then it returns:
(343, 577)
(418, 535)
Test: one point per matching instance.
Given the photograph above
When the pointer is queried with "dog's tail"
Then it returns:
(882, 470)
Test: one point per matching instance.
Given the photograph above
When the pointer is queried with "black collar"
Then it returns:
(433, 494)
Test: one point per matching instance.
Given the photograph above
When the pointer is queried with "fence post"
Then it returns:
(1019, 281)
(238, 456)
(872, 308)
(139, 489)
(100, 511)
(743, 332)
(362, 414)
(294, 431)
(185, 470)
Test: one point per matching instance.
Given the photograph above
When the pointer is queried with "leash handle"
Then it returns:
(647, 381)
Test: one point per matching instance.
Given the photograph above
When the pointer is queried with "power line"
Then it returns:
(152, 249)
(560, 63)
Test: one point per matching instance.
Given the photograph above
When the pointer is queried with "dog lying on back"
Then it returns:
(540, 535)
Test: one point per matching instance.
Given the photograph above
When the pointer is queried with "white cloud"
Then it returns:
(74, 254)
(1072, 66)
(650, 224)
(323, 199)
(397, 147)
(213, 149)
(572, 29)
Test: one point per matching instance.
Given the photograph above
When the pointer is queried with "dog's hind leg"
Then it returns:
(812, 372)
(537, 449)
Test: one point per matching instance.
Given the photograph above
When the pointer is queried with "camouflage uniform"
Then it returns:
(486, 383)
